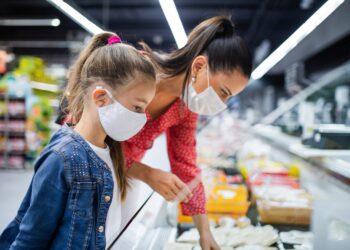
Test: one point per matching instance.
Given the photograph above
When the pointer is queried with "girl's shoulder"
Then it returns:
(69, 146)
(69, 154)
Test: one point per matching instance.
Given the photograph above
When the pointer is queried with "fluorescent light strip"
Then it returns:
(174, 21)
(44, 86)
(30, 22)
(318, 17)
(76, 16)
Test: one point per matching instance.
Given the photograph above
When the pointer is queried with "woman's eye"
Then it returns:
(138, 109)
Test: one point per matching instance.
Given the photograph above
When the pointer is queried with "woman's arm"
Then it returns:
(206, 240)
(181, 141)
(47, 203)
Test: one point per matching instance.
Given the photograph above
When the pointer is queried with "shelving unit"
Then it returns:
(12, 132)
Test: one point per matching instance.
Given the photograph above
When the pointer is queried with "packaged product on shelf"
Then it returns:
(2, 143)
(284, 212)
(38, 129)
(15, 161)
(16, 144)
(261, 179)
(235, 237)
(17, 126)
(190, 236)
(227, 222)
(228, 199)
(2, 161)
(16, 108)
(263, 166)
(223, 201)
(281, 193)
(3, 108)
(261, 236)
(2, 126)
(296, 237)
(243, 222)
(283, 204)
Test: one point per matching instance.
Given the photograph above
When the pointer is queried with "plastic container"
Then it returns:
(273, 212)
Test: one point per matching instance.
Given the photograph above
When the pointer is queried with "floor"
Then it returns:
(13, 186)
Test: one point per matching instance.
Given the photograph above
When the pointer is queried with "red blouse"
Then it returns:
(180, 127)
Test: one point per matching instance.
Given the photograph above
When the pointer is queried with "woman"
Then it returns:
(199, 78)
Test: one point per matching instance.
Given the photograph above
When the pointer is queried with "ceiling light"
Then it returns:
(30, 22)
(76, 16)
(55, 22)
(174, 21)
(318, 17)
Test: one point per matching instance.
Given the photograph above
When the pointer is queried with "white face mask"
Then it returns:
(119, 122)
(206, 103)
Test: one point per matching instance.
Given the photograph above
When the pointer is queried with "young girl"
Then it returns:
(73, 201)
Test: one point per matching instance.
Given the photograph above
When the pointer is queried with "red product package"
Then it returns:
(259, 179)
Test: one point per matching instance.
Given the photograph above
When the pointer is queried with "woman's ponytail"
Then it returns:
(215, 38)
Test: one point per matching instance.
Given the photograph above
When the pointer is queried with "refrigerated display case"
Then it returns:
(298, 192)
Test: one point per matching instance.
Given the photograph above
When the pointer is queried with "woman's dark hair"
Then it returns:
(216, 38)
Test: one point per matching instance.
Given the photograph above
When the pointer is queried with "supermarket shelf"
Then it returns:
(10, 98)
(13, 134)
(294, 145)
(15, 117)
(13, 152)
(334, 162)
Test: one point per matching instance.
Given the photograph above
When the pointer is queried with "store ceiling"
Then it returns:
(256, 21)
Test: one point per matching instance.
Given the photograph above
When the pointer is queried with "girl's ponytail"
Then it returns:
(74, 90)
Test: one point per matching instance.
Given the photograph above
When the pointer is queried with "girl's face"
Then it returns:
(135, 95)
(224, 84)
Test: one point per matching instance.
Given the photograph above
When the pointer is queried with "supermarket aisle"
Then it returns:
(13, 185)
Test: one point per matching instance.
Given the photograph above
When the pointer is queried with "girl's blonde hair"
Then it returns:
(114, 64)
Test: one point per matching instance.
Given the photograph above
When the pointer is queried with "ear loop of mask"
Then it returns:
(107, 92)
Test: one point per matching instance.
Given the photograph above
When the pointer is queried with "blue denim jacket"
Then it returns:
(67, 201)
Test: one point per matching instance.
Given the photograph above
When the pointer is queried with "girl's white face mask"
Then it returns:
(206, 103)
(119, 122)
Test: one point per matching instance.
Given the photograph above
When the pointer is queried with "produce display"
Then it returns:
(25, 113)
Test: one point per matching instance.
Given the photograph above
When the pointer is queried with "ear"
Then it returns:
(99, 97)
(198, 64)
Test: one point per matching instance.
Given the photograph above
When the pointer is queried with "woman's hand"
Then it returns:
(207, 241)
(168, 185)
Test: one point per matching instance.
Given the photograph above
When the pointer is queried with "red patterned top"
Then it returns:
(180, 127)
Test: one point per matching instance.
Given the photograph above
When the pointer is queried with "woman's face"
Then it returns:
(224, 84)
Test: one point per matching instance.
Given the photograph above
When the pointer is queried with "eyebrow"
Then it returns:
(228, 90)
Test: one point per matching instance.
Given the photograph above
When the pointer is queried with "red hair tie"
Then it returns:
(114, 39)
